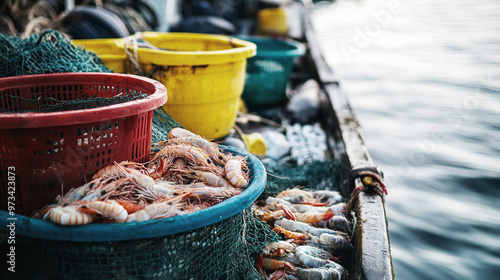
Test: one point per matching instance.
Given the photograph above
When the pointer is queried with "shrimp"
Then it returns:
(330, 197)
(311, 256)
(273, 264)
(80, 192)
(178, 132)
(234, 173)
(273, 203)
(103, 190)
(158, 210)
(68, 215)
(327, 272)
(291, 234)
(164, 188)
(109, 209)
(272, 246)
(313, 218)
(278, 214)
(192, 154)
(179, 163)
(113, 170)
(209, 178)
(209, 147)
(271, 216)
(319, 231)
(337, 209)
(141, 180)
(337, 222)
(337, 242)
(131, 207)
(206, 192)
(293, 225)
(299, 196)
(158, 167)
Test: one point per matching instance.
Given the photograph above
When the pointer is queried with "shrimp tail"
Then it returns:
(328, 215)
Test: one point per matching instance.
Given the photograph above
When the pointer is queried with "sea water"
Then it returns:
(423, 78)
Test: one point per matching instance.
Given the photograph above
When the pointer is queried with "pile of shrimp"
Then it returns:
(188, 174)
(315, 234)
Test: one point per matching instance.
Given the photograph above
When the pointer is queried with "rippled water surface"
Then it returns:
(423, 77)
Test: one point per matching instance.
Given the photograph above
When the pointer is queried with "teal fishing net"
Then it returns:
(162, 124)
(46, 104)
(225, 250)
(313, 175)
(49, 52)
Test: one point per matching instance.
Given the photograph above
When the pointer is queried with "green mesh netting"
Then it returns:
(162, 124)
(49, 52)
(314, 175)
(39, 103)
(225, 250)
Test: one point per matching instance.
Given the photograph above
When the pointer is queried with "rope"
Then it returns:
(132, 44)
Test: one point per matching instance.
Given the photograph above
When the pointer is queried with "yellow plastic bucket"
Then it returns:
(204, 75)
(272, 21)
(110, 51)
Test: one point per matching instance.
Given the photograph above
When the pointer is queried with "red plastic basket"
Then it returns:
(50, 153)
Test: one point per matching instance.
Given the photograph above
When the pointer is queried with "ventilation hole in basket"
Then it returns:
(49, 152)
(85, 131)
(61, 142)
(41, 152)
(56, 142)
(78, 132)
(98, 128)
(109, 151)
(79, 142)
(49, 142)
(116, 125)
(104, 127)
(110, 126)
(105, 136)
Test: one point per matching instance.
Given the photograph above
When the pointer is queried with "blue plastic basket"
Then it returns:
(41, 229)
(269, 71)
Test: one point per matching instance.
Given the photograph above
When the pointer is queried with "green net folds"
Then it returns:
(224, 250)
(49, 52)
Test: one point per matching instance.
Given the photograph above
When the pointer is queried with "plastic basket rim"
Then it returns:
(242, 51)
(80, 116)
(36, 228)
(297, 50)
